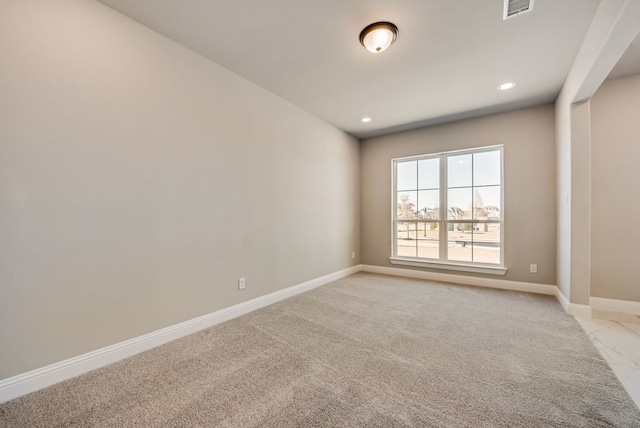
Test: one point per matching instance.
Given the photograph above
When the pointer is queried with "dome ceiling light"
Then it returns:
(378, 36)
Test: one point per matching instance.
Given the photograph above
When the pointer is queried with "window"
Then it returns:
(447, 210)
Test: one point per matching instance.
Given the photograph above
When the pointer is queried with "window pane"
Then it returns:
(406, 239)
(472, 213)
(406, 205)
(486, 168)
(428, 240)
(428, 204)
(429, 174)
(459, 242)
(460, 203)
(407, 175)
(486, 203)
(486, 243)
(459, 170)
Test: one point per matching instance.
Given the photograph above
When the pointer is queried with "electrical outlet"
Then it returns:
(533, 268)
(241, 283)
(353, 255)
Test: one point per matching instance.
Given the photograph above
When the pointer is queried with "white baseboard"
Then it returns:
(563, 300)
(581, 311)
(34, 380)
(613, 305)
(528, 287)
(599, 304)
(575, 309)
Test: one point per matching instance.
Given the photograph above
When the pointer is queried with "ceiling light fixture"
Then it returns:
(366, 119)
(378, 36)
(506, 86)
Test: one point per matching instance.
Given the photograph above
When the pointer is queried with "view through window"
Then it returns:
(448, 207)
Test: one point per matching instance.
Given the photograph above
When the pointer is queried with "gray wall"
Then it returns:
(615, 181)
(139, 180)
(580, 202)
(614, 26)
(572, 197)
(530, 208)
(563, 194)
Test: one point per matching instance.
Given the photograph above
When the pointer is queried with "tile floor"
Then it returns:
(617, 337)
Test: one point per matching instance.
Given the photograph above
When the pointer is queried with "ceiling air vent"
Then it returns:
(517, 7)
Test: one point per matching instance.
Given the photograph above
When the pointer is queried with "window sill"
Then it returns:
(491, 270)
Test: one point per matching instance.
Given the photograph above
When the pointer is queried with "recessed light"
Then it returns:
(366, 119)
(505, 86)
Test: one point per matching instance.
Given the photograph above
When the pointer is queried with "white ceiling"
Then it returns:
(446, 64)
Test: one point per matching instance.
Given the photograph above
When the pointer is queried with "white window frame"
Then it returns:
(443, 221)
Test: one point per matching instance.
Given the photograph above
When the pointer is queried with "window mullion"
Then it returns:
(473, 208)
(394, 210)
(443, 209)
(417, 205)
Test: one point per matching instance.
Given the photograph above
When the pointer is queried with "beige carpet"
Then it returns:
(365, 351)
